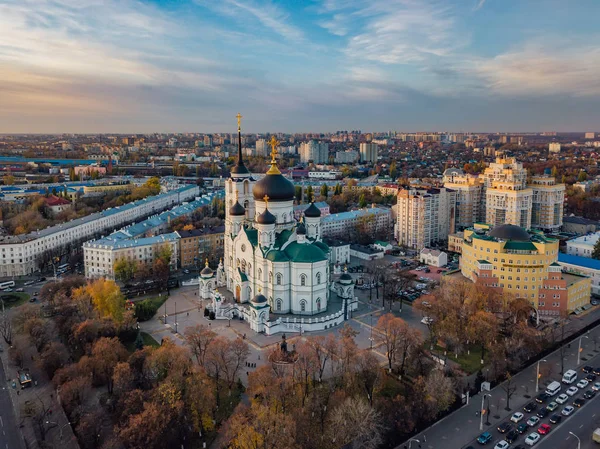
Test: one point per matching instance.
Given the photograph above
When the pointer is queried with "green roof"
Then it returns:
(554, 264)
(277, 256)
(483, 261)
(243, 275)
(282, 238)
(252, 235)
(304, 253)
(322, 245)
(520, 246)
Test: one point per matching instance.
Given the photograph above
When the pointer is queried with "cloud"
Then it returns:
(479, 5)
(540, 67)
(267, 13)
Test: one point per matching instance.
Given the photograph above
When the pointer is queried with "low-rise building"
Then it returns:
(455, 242)
(100, 256)
(579, 225)
(433, 257)
(365, 252)
(583, 266)
(373, 220)
(56, 205)
(582, 246)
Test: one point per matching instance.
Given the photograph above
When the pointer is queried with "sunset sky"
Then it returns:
(299, 65)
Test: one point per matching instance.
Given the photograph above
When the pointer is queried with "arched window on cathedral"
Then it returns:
(279, 278)
(246, 186)
(283, 218)
(303, 306)
(302, 280)
(230, 261)
(260, 274)
(318, 278)
(319, 304)
(279, 305)
(270, 277)
(243, 266)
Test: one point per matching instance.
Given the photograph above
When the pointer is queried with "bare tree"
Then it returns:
(6, 326)
(356, 423)
(199, 339)
(509, 388)
(39, 413)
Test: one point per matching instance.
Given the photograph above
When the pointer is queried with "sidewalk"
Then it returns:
(461, 427)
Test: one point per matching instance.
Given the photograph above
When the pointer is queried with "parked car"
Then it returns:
(587, 369)
(568, 410)
(561, 399)
(516, 417)
(544, 429)
(578, 402)
(512, 436)
(484, 438)
(542, 413)
(582, 383)
(29, 282)
(530, 407)
(505, 427)
(427, 320)
(532, 438)
(596, 386)
(20, 289)
(591, 377)
(541, 398)
(555, 419)
(596, 371)
(522, 428)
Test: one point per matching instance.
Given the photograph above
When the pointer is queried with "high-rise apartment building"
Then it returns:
(262, 148)
(590, 135)
(317, 152)
(368, 152)
(507, 197)
(424, 216)
(469, 196)
(346, 157)
(208, 141)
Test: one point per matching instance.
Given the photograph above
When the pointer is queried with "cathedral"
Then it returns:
(271, 260)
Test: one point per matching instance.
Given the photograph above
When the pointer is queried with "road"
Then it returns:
(9, 430)
(582, 424)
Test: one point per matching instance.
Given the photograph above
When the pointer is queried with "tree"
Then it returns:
(154, 185)
(107, 299)
(509, 388)
(391, 330)
(125, 269)
(368, 373)
(596, 250)
(298, 194)
(107, 353)
(199, 339)
(582, 176)
(6, 329)
(309, 194)
(393, 170)
(356, 423)
(53, 357)
(324, 190)
(122, 378)
(362, 202)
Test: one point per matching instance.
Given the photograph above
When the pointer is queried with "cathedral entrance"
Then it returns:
(238, 291)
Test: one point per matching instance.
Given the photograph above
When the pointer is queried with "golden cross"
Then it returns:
(206, 264)
(237, 195)
(274, 143)
(266, 198)
(239, 119)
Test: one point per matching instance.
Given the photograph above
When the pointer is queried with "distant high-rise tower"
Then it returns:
(368, 152)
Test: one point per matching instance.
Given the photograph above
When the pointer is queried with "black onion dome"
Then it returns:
(312, 211)
(237, 209)
(239, 169)
(346, 277)
(301, 229)
(266, 218)
(276, 186)
(206, 271)
(510, 232)
(259, 299)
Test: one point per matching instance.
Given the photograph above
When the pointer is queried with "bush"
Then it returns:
(146, 309)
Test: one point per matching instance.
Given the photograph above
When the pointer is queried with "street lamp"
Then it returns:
(482, 411)
(579, 350)
(411, 440)
(371, 337)
(578, 440)
(537, 376)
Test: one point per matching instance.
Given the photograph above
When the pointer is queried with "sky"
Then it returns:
(126, 66)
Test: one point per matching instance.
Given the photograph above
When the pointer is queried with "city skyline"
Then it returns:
(186, 66)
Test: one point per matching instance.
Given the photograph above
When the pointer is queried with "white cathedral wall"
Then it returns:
(283, 211)
(311, 290)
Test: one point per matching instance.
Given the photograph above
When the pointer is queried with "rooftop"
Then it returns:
(584, 262)
(356, 214)
(116, 242)
(586, 240)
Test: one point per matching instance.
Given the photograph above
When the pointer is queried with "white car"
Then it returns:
(518, 416)
(561, 399)
(502, 444)
(532, 438)
(572, 391)
(427, 320)
(596, 386)
(582, 383)
(533, 421)
(568, 410)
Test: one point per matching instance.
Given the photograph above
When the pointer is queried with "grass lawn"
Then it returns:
(16, 300)
(148, 341)
(469, 363)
